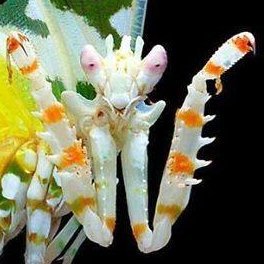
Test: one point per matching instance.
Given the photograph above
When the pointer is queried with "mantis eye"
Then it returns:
(91, 61)
(92, 64)
(156, 61)
(153, 66)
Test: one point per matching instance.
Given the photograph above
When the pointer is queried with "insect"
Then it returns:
(83, 137)
(66, 158)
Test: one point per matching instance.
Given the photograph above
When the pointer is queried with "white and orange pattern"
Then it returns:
(80, 140)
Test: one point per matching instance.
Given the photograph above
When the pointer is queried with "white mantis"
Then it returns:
(78, 147)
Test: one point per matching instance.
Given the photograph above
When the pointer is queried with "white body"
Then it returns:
(84, 149)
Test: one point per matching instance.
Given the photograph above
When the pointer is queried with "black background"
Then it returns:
(220, 222)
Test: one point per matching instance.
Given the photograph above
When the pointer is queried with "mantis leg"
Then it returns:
(104, 154)
(14, 185)
(134, 165)
(182, 162)
(38, 212)
(93, 126)
(187, 140)
(68, 154)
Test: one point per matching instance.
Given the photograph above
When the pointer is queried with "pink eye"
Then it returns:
(90, 59)
(90, 67)
(156, 61)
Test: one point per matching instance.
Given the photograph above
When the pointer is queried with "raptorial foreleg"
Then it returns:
(187, 140)
(68, 154)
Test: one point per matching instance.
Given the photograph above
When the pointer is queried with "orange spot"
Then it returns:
(32, 237)
(79, 204)
(12, 44)
(110, 223)
(30, 68)
(53, 114)
(139, 230)
(36, 238)
(74, 154)
(190, 117)
(243, 44)
(180, 164)
(213, 69)
(172, 211)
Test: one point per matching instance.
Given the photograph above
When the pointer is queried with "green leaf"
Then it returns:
(86, 90)
(83, 88)
(13, 13)
(57, 88)
(97, 13)
(60, 28)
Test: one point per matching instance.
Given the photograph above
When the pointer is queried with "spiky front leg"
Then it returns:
(70, 157)
(182, 162)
